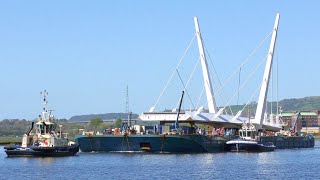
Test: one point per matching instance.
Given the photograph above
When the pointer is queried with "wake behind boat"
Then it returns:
(45, 141)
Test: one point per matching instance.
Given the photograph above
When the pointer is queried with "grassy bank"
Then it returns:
(10, 140)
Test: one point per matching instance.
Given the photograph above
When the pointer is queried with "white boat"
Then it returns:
(45, 141)
(248, 142)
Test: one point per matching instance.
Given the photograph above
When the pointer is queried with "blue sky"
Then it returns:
(86, 53)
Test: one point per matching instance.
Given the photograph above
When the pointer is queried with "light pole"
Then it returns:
(60, 130)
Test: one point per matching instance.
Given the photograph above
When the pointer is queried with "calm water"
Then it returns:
(281, 164)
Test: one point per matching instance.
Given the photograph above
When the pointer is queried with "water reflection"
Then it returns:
(264, 158)
(42, 161)
(280, 164)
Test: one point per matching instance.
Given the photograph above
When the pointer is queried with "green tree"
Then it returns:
(95, 122)
(118, 123)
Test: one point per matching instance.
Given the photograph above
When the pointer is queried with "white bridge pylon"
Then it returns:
(261, 107)
(215, 116)
(205, 71)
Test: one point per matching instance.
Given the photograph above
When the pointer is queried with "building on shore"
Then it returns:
(308, 121)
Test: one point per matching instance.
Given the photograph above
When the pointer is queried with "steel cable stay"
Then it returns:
(277, 60)
(184, 54)
(249, 101)
(200, 97)
(185, 88)
(264, 59)
(191, 75)
(272, 89)
(221, 85)
(239, 82)
(242, 64)
(245, 61)
(272, 86)
(215, 72)
(271, 93)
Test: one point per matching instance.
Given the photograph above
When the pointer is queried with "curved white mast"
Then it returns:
(205, 71)
(261, 107)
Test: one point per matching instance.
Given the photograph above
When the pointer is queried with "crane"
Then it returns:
(296, 117)
(176, 124)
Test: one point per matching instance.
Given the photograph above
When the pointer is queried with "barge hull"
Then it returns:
(151, 143)
(290, 142)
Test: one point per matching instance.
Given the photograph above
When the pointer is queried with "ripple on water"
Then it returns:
(280, 164)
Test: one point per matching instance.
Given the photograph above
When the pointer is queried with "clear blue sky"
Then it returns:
(85, 53)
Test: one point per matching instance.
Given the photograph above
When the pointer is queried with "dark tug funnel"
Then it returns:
(30, 128)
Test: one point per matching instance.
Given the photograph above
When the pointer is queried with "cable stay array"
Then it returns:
(238, 74)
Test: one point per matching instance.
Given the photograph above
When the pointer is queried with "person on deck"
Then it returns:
(214, 132)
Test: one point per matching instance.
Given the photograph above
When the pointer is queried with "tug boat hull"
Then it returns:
(242, 145)
(42, 151)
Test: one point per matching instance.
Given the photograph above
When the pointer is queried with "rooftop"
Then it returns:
(301, 113)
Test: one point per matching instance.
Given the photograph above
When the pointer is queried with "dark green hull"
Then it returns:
(176, 143)
(290, 142)
(151, 143)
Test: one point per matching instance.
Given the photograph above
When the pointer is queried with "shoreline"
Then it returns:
(10, 140)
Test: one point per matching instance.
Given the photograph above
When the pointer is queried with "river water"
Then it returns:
(280, 164)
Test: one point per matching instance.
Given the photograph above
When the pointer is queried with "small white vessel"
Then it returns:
(45, 141)
(248, 142)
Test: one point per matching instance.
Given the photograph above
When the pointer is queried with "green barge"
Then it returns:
(290, 142)
(177, 143)
(151, 143)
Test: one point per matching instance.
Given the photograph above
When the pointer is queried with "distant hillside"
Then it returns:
(107, 116)
(301, 104)
(294, 104)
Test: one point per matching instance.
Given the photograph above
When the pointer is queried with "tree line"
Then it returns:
(18, 127)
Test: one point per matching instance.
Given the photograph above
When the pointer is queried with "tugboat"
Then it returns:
(45, 142)
(248, 142)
